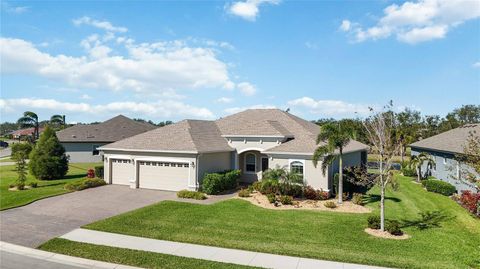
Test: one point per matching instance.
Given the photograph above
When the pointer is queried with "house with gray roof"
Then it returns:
(177, 156)
(81, 142)
(444, 148)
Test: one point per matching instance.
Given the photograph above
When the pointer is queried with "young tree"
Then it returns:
(471, 158)
(29, 120)
(417, 161)
(380, 129)
(333, 137)
(20, 156)
(48, 159)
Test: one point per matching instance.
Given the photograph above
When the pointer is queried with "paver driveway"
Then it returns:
(40, 221)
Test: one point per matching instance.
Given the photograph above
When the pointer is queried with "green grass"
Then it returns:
(131, 257)
(46, 188)
(6, 159)
(322, 235)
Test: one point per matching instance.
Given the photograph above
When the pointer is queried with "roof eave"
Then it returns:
(150, 150)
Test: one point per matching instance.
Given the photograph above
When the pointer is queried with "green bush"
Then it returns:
(191, 195)
(84, 184)
(20, 186)
(330, 204)
(439, 186)
(294, 190)
(24, 147)
(215, 183)
(393, 227)
(286, 200)
(373, 222)
(271, 198)
(269, 186)
(244, 193)
(48, 160)
(408, 171)
(357, 198)
(99, 171)
(257, 185)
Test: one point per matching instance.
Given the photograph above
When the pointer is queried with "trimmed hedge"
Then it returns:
(85, 184)
(191, 195)
(439, 186)
(215, 183)
(99, 171)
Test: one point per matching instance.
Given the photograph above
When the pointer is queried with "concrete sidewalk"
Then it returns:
(18, 257)
(226, 255)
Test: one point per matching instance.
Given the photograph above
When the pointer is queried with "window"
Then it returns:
(296, 167)
(95, 150)
(250, 163)
(264, 163)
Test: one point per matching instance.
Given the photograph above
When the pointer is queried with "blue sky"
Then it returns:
(206, 59)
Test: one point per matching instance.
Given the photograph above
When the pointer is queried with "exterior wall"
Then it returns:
(150, 156)
(446, 169)
(312, 175)
(82, 152)
(214, 162)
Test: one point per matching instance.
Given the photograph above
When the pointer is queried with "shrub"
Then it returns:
(33, 184)
(20, 186)
(408, 171)
(191, 195)
(244, 193)
(357, 198)
(294, 190)
(90, 173)
(48, 159)
(269, 186)
(286, 200)
(25, 148)
(214, 183)
(99, 171)
(344, 196)
(373, 222)
(471, 202)
(330, 204)
(424, 182)
(84, 184)
(393, 227)
(257, 185)
(271, 198)
(439, 186)
(310, 193)
(231, 179)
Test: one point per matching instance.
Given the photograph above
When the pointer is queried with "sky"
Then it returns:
(171, 60)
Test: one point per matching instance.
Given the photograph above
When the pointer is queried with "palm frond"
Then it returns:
(327, 160)
(320, 153)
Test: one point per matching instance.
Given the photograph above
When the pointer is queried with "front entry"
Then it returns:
(264, 163)
(252, 163)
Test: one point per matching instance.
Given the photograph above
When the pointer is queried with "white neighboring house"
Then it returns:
(81, 142)
(177, 156)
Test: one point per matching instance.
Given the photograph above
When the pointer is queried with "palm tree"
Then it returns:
(418, 160)
(333, 136)
(30, 120)
(58, 120)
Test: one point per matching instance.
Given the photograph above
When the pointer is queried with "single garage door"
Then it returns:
(163, 175)
(122, 171)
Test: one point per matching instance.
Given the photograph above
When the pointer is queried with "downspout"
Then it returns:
(197, 184)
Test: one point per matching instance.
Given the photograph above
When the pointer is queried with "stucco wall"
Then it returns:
(446, 169)
(214, 162)
(82, 152)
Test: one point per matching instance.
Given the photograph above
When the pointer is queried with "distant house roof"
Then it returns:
(452, 141)
(197, 136)
(112, 130)
(26, 131)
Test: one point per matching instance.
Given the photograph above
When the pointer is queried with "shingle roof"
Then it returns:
(450, 141)
(208, 136)
(112, 130)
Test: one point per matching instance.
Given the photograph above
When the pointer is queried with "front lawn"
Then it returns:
(322, 235)
(130, 257)
(46, 188)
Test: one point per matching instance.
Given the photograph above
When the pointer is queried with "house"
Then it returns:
(27, 132)
(177, 156)
(81, 141)
(443, 148)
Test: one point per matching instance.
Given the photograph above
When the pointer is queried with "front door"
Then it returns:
(264, 163)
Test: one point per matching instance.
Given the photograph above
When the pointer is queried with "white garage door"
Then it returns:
(122, 171)
(163, 175)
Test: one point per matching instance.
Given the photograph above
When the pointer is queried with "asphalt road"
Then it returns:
(10, 260)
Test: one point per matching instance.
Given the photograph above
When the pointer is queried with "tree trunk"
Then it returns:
(419, 174)
(402, 153)
(382, 200)
(340, 179)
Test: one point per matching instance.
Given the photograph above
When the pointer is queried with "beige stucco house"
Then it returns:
(177, 156)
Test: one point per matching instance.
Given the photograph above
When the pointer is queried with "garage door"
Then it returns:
(122, 171)
(163, 175)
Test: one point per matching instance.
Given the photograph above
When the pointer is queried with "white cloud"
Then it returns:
(85, 97)
(158, 109)
(246, 88)
(329, 107)
(14, 9)
(224, 100)
(415, 22)
(476, 65)
(104, 25)
(248, 9)
(311, 45)
(148, 67)
(234, 110)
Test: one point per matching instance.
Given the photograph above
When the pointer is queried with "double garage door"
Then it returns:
(170, 176)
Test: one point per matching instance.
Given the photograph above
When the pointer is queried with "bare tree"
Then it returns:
(380, 128)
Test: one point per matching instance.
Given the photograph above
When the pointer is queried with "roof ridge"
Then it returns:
(190, 134)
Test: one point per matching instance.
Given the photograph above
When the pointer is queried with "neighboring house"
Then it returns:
(443, 148)
(28, 132)
(177, 156)
(82, 141)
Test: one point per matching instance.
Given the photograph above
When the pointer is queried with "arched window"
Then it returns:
(296, 167)
(250, 163)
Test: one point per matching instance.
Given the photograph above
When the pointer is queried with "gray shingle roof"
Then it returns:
(207, 136)
(450, 141)
(112, 130)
